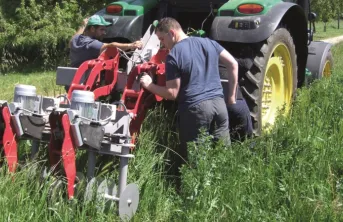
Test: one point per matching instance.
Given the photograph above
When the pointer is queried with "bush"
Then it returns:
(35, 33)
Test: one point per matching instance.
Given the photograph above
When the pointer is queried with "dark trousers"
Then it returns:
(210, 115)
(240, 121)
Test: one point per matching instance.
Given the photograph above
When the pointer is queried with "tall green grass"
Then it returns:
(24, 195)
(294, 173)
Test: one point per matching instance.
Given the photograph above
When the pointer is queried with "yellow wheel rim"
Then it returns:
(278, 85)
(327, 69)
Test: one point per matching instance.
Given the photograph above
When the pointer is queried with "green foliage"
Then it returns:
(326, 9)
(35, 33)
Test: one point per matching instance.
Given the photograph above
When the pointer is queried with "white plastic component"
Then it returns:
(114, 110)
(82, 96)
(151, 44)
(26, 96)
(83, 102)
(24, 90)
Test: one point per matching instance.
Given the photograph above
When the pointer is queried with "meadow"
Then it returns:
(293, 173)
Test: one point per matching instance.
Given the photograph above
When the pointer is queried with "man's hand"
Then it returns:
(169, 91)
(145, 81)
(84, 22)
(136, 45)
(122, 46)
(231, 100)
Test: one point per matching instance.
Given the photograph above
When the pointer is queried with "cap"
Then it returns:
(97, 20)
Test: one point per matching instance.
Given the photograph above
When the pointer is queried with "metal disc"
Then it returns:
(91, 188)
(128, 202)
(108, 187)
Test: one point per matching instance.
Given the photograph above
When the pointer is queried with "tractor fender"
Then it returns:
(127, 27)
(253, 29)
(317, 52)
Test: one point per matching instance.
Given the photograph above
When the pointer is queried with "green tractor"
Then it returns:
(272, 39)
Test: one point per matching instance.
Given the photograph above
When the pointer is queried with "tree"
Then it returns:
(35, 33)
(336, 7)
(340, 12)
(325, 10)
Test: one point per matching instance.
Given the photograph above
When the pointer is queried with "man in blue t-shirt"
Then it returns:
(192, 77)
(86, 42)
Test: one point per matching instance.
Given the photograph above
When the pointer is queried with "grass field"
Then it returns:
(45, 83)
(331, 30)
(295, 173)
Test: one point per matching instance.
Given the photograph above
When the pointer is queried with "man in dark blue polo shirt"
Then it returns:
(192, 77)
(86, 42)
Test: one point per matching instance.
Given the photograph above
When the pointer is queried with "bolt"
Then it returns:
(85, 139)
(25, 129)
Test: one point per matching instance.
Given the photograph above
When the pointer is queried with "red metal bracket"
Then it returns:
(68, 155)
(61, 146)
(138, 102)
(9, 140)
(107, 63)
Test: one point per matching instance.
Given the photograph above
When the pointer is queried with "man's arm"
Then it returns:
(232, 67)
(80, 30)
(122, 46)
(170, 91)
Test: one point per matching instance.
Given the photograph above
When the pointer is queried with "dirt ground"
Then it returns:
(334, 40)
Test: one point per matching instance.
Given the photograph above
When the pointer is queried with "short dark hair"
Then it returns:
(166, 24)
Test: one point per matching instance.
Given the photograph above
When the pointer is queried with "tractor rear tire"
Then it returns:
(271, 83)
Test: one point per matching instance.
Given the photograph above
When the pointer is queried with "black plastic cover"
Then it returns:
(32, 125)
(128, 27)
(94, 135)
(249, 29)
